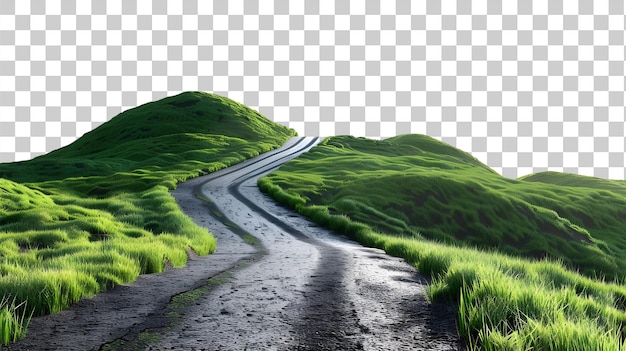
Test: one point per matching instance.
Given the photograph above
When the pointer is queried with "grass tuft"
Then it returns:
(14, 320)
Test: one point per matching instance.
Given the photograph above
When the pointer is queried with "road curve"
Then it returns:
(276, 282)
(307, 288)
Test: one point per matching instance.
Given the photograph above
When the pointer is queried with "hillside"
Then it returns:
(182, 131)
(573, 180)
(416, 186)
(98, 212)
(528, 261)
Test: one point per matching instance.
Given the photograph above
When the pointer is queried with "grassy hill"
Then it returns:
(185, 133)
(482, 237)
(98, 212)
(413, 185)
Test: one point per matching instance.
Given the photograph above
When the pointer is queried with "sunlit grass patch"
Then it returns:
(48, 290)
(513, 303)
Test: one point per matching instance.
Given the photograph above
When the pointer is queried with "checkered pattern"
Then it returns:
(525, 86)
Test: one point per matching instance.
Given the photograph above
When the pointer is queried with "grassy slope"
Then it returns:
(98, 212)
(186, 134)
(413, 187)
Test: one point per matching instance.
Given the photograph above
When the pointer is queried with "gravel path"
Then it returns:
(276, 282)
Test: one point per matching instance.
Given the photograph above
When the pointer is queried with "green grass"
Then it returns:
(413, 185)
(512, 303)
(14, 320)
(177, 137)
(98, 212)
(534, 263)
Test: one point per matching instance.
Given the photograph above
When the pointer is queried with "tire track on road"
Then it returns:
(233, 300)
(311, 289)
(327, 318)
(117, 318)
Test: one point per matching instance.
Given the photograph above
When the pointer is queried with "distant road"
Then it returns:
(276, 282)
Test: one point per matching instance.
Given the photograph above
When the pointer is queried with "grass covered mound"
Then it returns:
(98, 212)
(482, 238)
(413, 185)
(187, 133)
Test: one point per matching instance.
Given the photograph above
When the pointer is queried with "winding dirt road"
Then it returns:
(276, 282)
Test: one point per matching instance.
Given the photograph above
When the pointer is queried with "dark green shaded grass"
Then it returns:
(416, 186)
(98, 212)
(510, 252)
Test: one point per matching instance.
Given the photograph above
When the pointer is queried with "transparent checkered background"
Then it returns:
(525, 86)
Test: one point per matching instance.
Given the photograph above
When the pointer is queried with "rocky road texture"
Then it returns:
(276, 282)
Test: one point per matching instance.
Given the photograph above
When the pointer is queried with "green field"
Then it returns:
(98, 212)
(534, 263)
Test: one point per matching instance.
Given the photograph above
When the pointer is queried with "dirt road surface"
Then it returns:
(276, 282)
